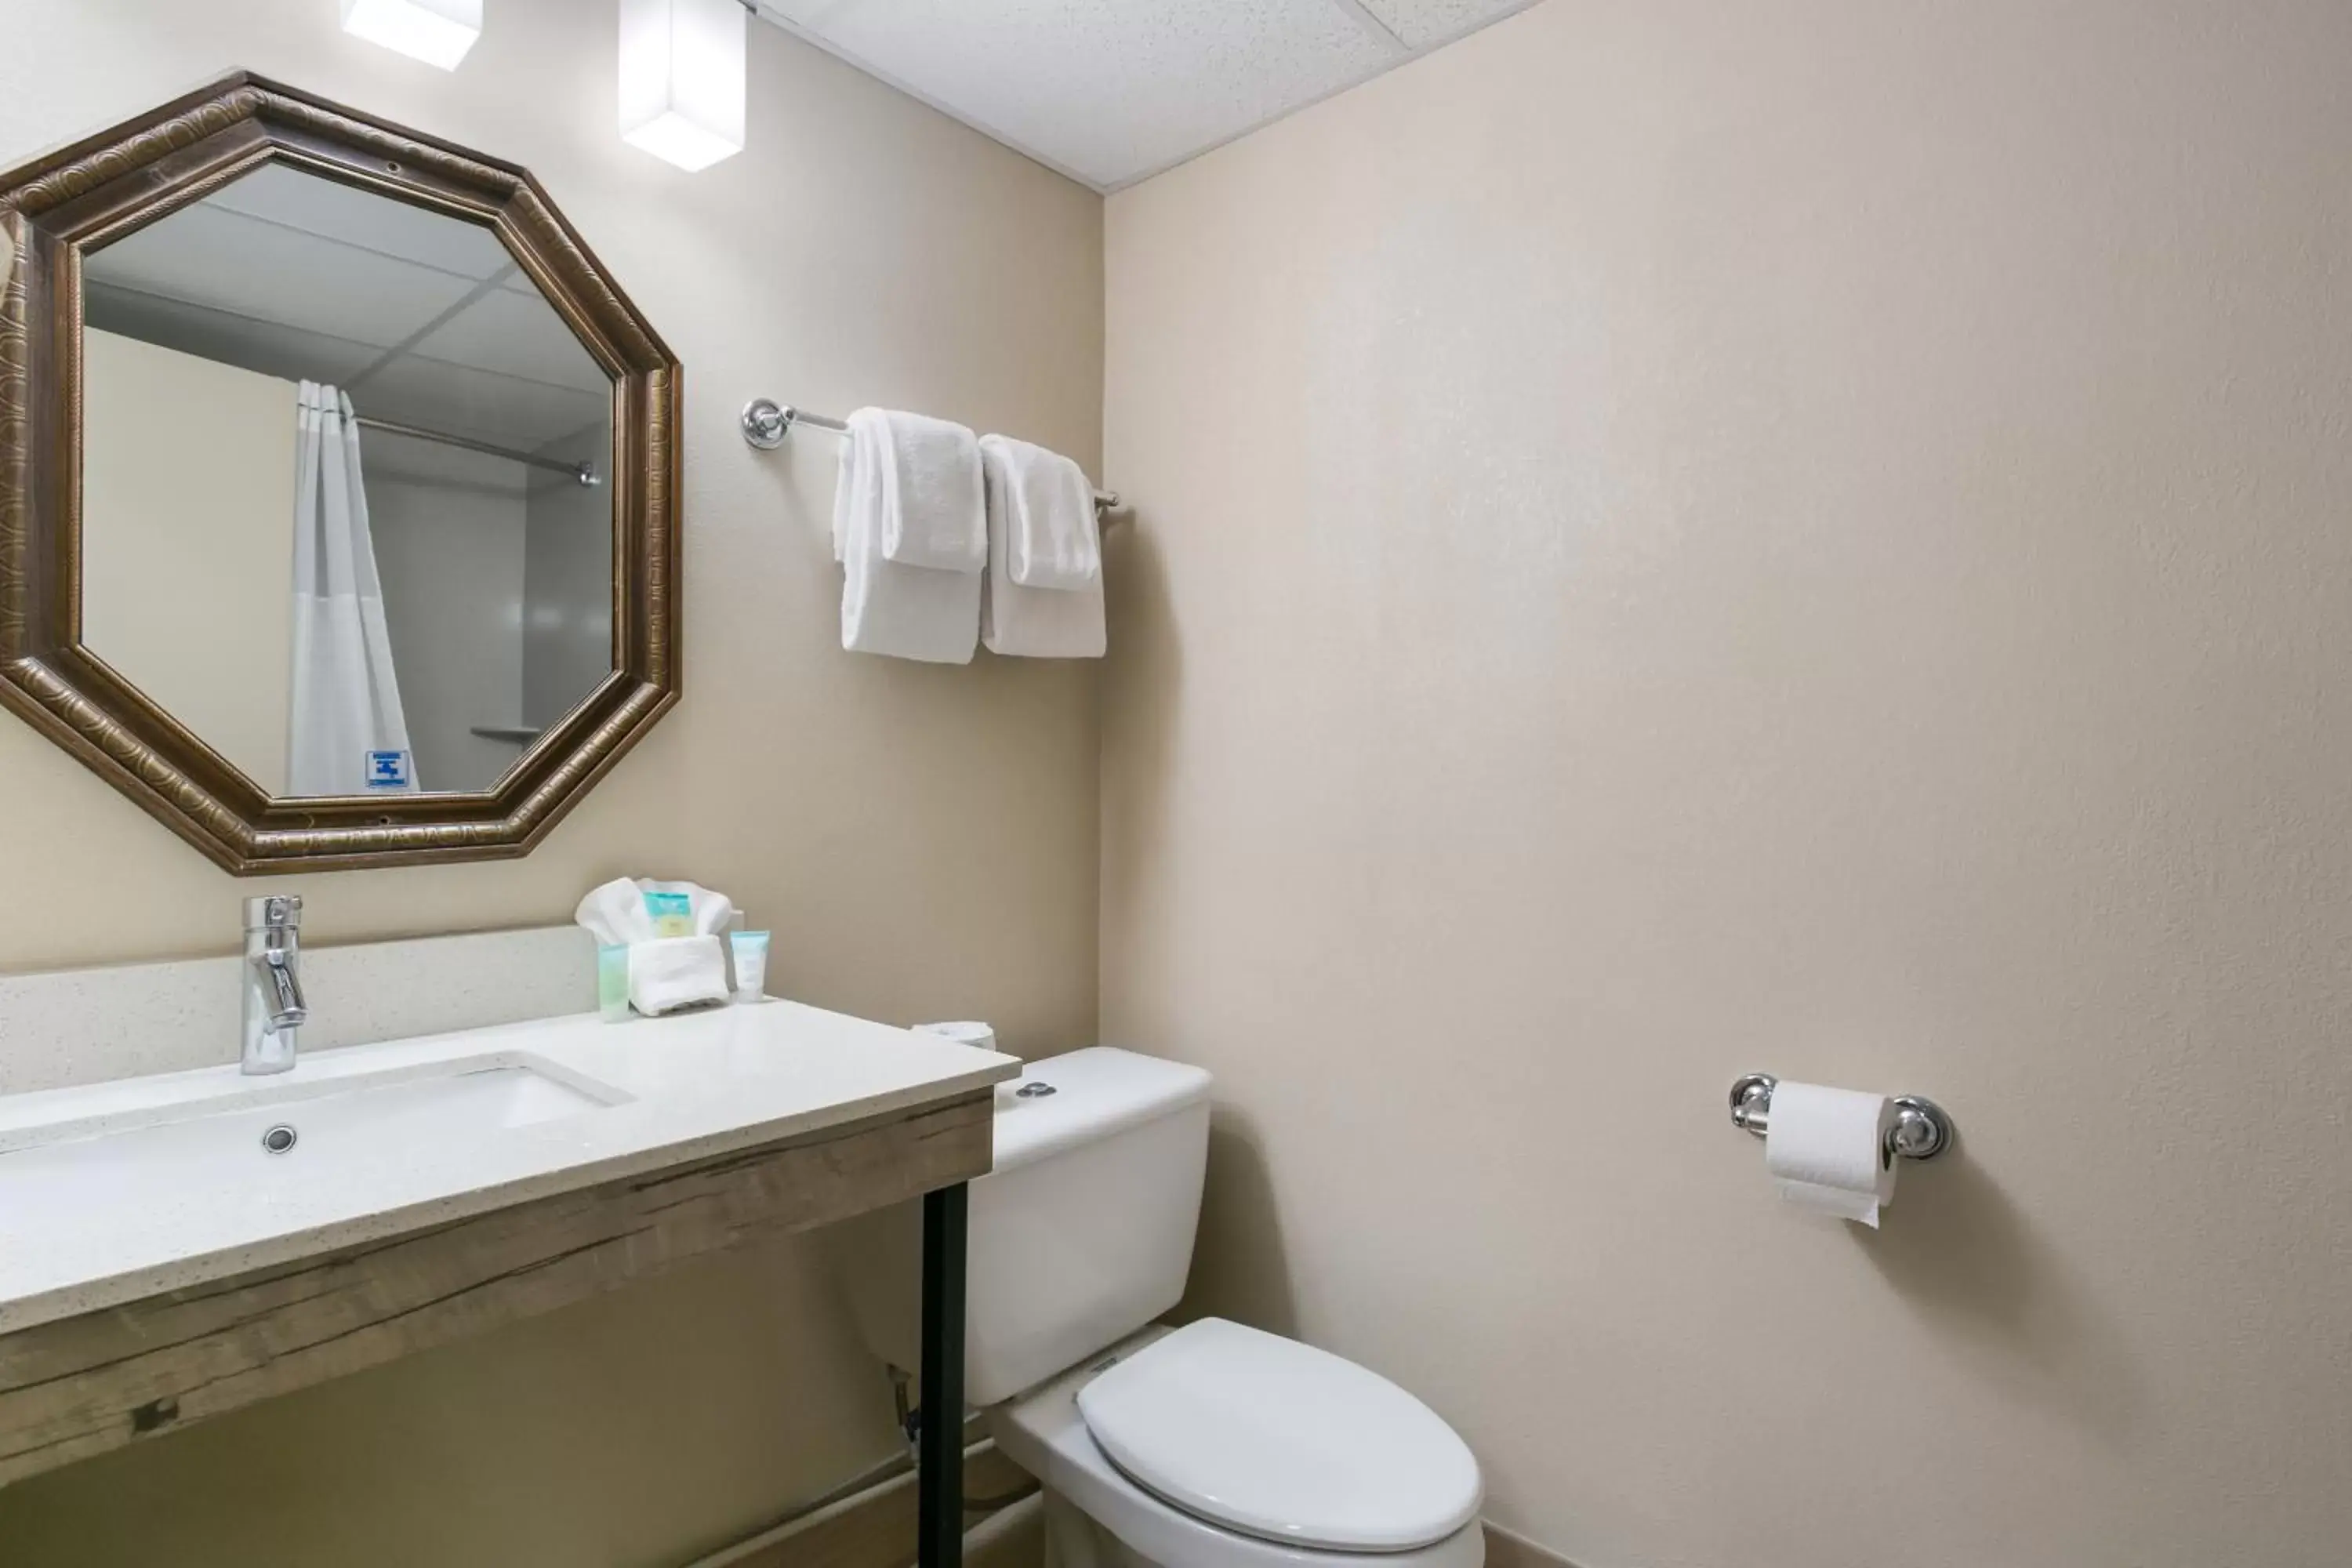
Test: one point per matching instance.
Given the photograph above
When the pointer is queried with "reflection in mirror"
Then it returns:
(344, 509)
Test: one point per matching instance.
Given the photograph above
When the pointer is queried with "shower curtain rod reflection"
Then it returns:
(582, 472)
(766, 423)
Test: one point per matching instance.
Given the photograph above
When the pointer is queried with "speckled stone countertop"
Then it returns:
(89, 1232)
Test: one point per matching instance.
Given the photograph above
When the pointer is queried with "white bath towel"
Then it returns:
(1034, 623)
(887, 607)
(1052, 536)
(930, 488)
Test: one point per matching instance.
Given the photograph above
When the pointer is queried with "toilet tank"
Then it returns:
(1081, 1234)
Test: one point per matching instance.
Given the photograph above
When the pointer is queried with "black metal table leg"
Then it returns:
(938, 1458)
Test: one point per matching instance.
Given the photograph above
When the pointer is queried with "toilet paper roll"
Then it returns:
(1826, 1149)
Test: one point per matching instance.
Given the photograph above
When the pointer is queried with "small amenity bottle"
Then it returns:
(612, 983)
(751, 953)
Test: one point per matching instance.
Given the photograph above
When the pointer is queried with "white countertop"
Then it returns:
(688, 1087)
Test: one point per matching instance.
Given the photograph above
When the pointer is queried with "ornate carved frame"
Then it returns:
(51, 212)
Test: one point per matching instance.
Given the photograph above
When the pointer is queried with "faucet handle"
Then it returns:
(274, 911)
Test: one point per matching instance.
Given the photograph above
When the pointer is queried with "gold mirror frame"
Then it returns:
(54, 210)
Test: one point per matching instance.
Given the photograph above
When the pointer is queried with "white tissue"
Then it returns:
(617, 911)
(712, 911)
(1826, 1149)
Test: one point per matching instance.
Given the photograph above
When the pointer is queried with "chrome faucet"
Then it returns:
(274, 1010)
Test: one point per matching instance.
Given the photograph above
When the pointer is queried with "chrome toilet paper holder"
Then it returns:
(1922, 1128)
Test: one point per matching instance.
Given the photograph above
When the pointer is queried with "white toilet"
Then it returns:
(1211, 1446)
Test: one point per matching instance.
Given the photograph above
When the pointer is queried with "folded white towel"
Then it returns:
(1034, 623)
(930, 473)
(1053, 537)
(906, 611)
(673, 973)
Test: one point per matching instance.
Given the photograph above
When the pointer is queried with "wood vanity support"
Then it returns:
(83, 1386)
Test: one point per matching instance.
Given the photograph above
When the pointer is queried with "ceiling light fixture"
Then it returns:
(437, 32)
(682, 70)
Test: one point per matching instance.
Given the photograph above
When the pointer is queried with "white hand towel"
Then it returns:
(929, 470)
(1052, 536)
(673, 973)
(906, 612)
(1034, 623)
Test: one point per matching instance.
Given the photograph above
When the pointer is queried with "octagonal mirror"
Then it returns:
(339, 525)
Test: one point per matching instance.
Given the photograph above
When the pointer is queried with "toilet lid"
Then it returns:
(1282, 1441)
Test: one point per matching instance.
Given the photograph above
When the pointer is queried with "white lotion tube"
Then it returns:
(751, 953)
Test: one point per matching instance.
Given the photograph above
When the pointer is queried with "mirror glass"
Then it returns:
(345, 508)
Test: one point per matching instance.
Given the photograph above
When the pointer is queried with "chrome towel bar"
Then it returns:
(766, 423)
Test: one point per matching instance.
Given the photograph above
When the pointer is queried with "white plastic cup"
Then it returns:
(967, 1033)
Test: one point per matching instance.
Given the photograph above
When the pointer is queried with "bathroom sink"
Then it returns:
(250, 1143)
(116, 1191)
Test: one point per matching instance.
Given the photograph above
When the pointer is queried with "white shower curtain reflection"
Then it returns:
(349, 735)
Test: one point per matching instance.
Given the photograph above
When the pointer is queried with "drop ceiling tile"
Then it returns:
(226, 261)
(1421, 23)
(434, 394)
(1109, 90)
(518, 335)
(317, 206)
(286, 353)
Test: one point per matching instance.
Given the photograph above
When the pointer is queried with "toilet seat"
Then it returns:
(1282, 1441)
(1043, 1434)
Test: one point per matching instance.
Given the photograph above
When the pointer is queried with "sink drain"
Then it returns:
(279, 1139)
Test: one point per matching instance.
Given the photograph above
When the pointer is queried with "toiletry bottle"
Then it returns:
(750, 952)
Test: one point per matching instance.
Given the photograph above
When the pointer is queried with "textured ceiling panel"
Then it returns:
(206, 254)
(286, 353)
(502, 409)
(518, 335)
(1422, 23)
(1109, 90)
(425, 319)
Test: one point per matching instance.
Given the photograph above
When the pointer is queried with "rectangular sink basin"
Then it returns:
(245, 1145)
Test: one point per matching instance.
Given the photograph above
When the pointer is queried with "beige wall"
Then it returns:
(567, 599)
(1683, 537)
(922, 840)
(188, 541)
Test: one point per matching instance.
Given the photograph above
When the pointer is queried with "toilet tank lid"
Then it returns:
(1094, 1093)
(1282, 1441)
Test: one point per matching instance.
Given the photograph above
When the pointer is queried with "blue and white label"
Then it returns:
(387, 769)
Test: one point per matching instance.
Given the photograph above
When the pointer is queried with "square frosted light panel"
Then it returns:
(682, 66)
(437, 32)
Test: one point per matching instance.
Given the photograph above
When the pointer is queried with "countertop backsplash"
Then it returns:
(88, 1025)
